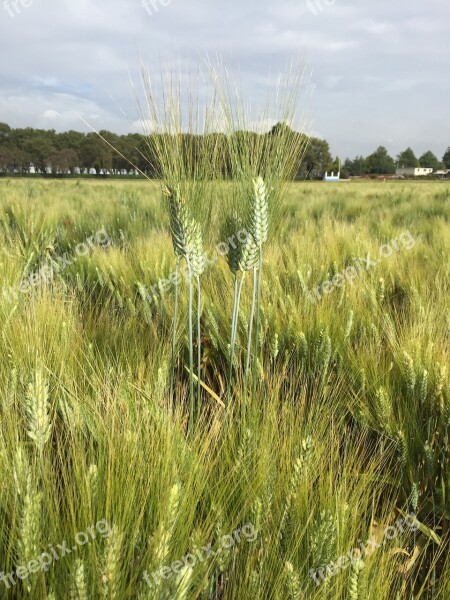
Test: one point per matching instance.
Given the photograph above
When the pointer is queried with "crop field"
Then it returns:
(320, 470)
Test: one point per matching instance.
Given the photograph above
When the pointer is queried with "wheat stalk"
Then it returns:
(188, 244)
(241, 257)
(259, 224)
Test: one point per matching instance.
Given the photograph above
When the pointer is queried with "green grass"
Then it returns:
(348, 426)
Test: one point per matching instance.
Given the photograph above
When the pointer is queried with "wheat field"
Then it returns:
(330, 480)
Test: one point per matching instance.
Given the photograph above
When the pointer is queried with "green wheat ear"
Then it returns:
(179, 222)
(195, 251)
(39, 423)
(248, 254)
(259, 223)
(242, 255)
(30, 526)
(292, 581)
(111, 564)
(79, 587)
(185, 231)
(231, 226)
(21, 471)
(354, 580)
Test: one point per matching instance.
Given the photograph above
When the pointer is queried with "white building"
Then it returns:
(414, 171)
(332, 177)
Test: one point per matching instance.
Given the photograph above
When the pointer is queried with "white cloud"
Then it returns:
(52, 115)
(372, 61)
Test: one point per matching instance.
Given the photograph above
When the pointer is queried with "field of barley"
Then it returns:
(326, 477)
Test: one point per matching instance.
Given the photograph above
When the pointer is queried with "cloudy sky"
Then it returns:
(379, 71)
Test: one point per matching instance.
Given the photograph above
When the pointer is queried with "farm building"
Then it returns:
(332, 177)
(414, 171)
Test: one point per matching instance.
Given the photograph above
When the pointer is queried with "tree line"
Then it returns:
(381, 163)
(72, 152)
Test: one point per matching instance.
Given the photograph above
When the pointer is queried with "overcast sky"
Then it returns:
(379, 70)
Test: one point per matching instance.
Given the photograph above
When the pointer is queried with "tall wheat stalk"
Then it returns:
(187, 244)
(241, 258)
(261, 160)
(258, 230)
(183, 155)
(174, 333)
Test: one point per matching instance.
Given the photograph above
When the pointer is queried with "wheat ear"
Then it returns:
(79, 586)
(30, 527)
(111, 565)
(39, 424)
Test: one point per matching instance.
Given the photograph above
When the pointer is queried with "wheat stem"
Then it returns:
(199, 342)
(258, 307)
(174, 335)
(191, 349)
(236, 319)
(233, 323)
(250, 328)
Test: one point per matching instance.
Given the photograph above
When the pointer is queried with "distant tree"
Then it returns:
(407, 158)
(429, 160)
(71, 140)
(336, 165)
(356, 167)
(5, 131)
(380, 163)
(69, 160)
(95, 154)
(446, 158)
(63, 161)
(280, 128)
(6, 159)
(136, 151)
(316, 160)
(20, 160)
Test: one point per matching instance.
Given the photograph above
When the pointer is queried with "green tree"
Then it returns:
(335, 165)
(6, 159)
(380, 163)
(20, 160)
(316, 160)
(95, 153)
(428, 159)
(446, 158)
(407, 158)
(5, 132)
(63, 161)
(356, 167)
(70, 140)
